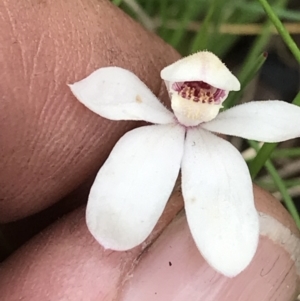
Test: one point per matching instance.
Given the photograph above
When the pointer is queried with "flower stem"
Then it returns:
(281, 187)
(281, 29)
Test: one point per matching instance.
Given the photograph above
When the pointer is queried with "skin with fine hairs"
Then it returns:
(52, 145)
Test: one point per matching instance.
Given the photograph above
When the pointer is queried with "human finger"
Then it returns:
(65, 262)
(50, 143)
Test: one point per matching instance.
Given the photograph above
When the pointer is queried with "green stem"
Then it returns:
(281, 29)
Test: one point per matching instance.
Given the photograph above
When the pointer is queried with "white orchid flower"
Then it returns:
(132, 188)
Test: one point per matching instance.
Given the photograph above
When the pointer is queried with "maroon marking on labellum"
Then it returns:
(198, 91)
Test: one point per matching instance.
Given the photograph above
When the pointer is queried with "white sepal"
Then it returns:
(133, 186)
(201, 66)
(118, 94)
(267, 121)
(219, 202)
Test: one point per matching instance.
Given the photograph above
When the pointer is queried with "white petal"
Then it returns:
(118, 94)
(133, 186)
(201, 66)
(219, 202)
(267, 121)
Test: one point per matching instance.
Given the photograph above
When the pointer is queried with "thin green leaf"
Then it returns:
(201, 39)
(270, 186)
(281, 187)
(246, 76)
(186, 17)
(281, 29)
(286, 153)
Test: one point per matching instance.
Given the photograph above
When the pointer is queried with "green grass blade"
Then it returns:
(283, 190)
(281, 29)
(247, 75)
(286, 153)
(260, 159)
(186, 17)
(281, 187)
(272, 187)
(201, 40)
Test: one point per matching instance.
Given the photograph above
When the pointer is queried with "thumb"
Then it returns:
(50, 143)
